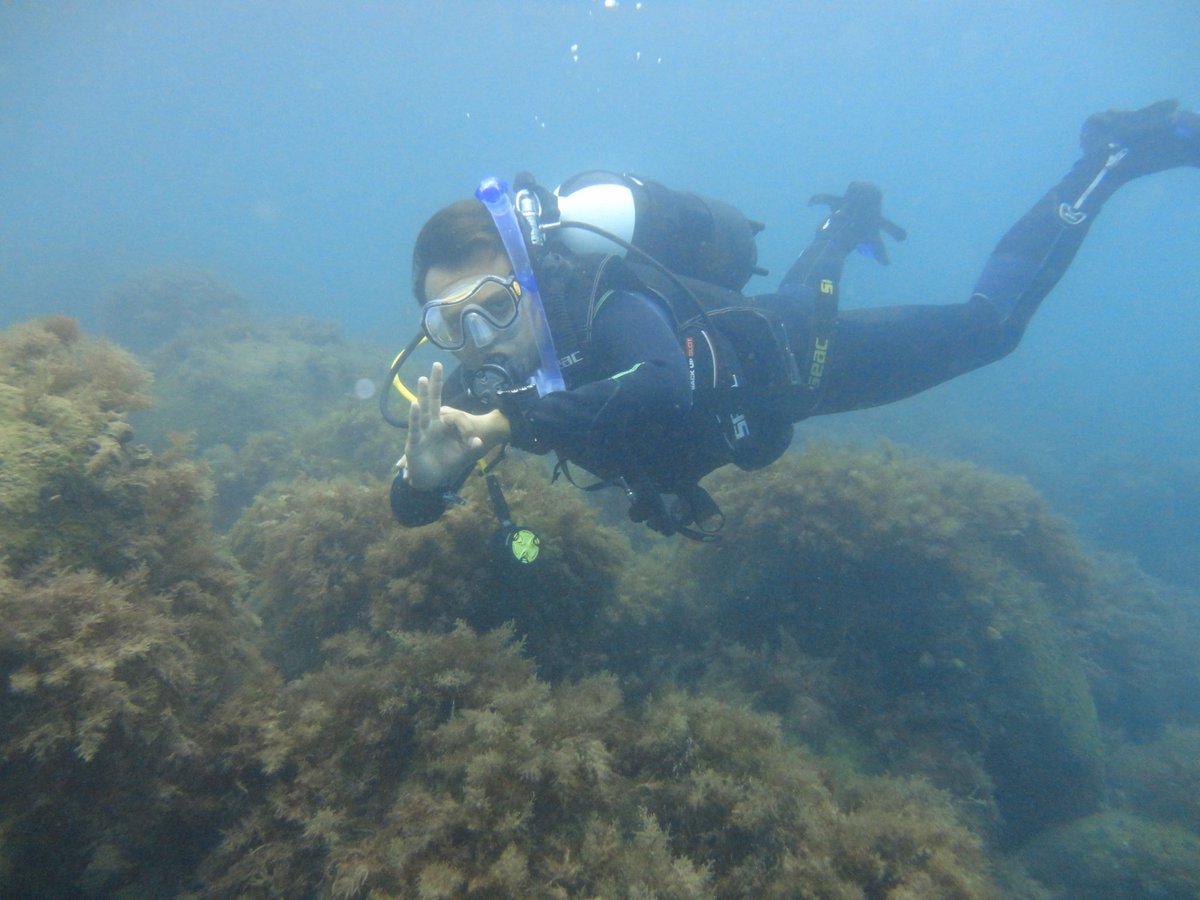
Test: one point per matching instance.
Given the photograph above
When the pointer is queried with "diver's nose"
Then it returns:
(481, 333)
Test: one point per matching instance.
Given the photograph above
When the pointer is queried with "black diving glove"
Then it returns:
(650, 507)
(856, 221)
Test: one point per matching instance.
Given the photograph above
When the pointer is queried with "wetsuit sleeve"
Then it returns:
(644, 384)
(412, 507)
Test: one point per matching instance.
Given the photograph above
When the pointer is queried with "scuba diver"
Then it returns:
(604, 321)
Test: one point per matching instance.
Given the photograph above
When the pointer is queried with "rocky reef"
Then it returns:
(260, 398)
(328, 558)
(120, 628)
(152, 307)
(893, 677)
(1115, 855)
(439, 765)
(942, 594)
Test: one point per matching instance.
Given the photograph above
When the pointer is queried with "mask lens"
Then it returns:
(493, 298)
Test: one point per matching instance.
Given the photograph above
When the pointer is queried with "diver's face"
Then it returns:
(485, 342)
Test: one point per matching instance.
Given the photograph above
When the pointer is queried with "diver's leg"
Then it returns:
(854, 221)
(883, 355)
(1118, 146)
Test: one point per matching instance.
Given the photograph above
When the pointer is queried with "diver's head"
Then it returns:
(471, 304)
(473, 277)
(453, 237)
(476, 311)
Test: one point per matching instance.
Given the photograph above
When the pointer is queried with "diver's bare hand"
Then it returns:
(434, 450)
(443, 440)
(489, 430)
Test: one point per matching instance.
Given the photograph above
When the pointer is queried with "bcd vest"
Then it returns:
(740, 365)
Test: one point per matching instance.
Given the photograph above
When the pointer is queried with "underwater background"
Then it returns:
(945, 648)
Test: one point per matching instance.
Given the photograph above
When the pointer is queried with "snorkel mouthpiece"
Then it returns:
(493, 194)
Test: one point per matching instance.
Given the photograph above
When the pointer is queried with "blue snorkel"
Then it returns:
(493, 193)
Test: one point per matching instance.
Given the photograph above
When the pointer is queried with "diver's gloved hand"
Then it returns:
(650, 507)
(1157, 137)
(856, 221)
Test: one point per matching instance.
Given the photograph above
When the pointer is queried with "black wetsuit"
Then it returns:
(629, 409)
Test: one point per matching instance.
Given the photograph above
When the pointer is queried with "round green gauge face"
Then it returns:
(524, 545)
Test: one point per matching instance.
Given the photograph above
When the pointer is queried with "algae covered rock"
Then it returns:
(266, 399)
(427, 765)
(149, 308)
(939, 593)
(326, 556)
(593, 725)
(1140, 638)
(70, 473)
(225, 383)
(109, 685)
(306, 546)
(440, 765)
(775, 820)
(1160, 779)
(1114, 856)
(120, 629)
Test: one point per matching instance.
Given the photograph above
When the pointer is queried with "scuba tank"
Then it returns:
(686, 233)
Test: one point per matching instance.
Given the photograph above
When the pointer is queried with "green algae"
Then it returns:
(1114, 855)
(940, 596)
(120, 629)
(492, 782)
(872, 678)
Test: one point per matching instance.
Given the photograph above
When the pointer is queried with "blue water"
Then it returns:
(294, 150)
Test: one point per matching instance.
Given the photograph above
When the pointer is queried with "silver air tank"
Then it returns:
(691, 235)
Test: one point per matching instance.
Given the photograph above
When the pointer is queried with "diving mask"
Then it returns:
(478, 309)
